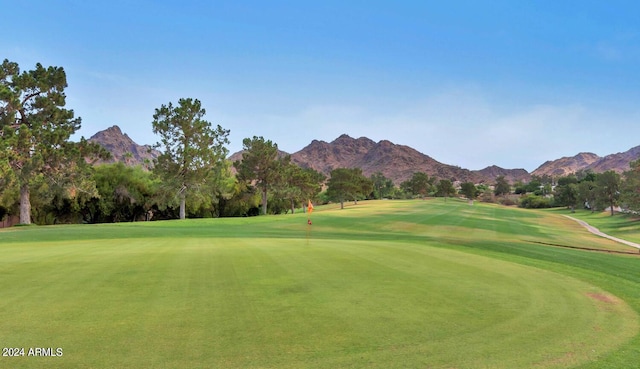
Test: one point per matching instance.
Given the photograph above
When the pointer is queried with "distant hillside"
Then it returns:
(566, 165)
(588, 161)
(123, 148)
(489, 174)
(343, 152)
(397, 162)
(618, 162)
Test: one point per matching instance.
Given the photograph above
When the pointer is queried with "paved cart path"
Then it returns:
(596, 231)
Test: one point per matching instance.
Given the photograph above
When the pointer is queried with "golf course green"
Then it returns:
(381, 284)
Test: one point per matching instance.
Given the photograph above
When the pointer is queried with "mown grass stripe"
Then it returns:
(381, 285)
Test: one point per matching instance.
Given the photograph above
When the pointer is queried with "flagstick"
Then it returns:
(309, 211)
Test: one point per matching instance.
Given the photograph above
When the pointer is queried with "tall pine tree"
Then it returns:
(35, 128)
(192, 149)
(259, 163)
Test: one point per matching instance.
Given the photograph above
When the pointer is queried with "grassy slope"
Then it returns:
(619, 225)
(383, 284)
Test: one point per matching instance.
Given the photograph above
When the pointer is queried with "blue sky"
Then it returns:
(469, 83)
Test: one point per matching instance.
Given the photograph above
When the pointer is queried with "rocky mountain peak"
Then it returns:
(123, 148)
(111, 133)
(618, 162)
(396, 162)
(566, 165)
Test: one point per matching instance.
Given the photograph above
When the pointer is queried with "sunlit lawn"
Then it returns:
(619, 225)
(379, 285)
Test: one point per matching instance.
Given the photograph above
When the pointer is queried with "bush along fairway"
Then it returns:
(382, 284)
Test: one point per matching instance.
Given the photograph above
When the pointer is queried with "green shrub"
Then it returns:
(535, 202)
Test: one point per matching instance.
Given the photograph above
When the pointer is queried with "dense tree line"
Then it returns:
(45, 178)
(595, 191)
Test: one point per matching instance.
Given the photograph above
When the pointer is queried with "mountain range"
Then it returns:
(397, 162)
(587, 161)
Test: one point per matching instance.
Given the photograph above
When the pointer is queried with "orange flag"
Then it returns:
(310, 207)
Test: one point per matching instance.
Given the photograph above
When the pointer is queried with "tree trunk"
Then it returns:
(25, 205)
(611, 207)
(264, 202)
(183, 205)
(293, 207)
(341, 204)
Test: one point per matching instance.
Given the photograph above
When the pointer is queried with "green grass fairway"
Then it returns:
(623, 226)
(384, 284)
